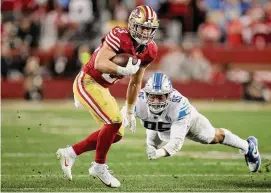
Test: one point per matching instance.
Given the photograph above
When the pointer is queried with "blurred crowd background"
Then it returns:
(55, 38)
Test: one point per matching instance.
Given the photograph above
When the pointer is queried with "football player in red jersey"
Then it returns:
(91, 90)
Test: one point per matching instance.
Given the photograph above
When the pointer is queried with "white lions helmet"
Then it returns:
(158, 88)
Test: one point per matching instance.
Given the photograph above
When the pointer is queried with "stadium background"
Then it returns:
(217, 51)
(222, 47)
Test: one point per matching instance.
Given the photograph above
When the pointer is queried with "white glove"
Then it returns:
(124, 116)
(131, 118)
(153, 153)
(130, 69)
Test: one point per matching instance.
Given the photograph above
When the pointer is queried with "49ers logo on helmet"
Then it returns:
(136, 13)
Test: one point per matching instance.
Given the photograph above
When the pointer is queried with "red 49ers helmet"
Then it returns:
(143, 17)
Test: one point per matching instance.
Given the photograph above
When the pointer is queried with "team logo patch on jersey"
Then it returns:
(168, 118)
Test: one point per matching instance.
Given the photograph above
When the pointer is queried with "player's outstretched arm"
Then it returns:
(131, 96)
(134, 86)
(178, 132)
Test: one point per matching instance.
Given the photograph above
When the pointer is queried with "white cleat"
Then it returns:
(66, 162)
(101, 171)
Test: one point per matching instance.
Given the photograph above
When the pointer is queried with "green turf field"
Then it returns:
(32, 132)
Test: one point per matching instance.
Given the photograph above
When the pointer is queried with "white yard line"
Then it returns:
(69, 131)
(217, 155)
(230, 105)
(143, 189)
(200, 105)
(142, 141)
(207, 155)
(131, 164)
(194, 154)
(138, 175)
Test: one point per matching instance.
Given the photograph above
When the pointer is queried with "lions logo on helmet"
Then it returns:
(143, 17)
(158, 88)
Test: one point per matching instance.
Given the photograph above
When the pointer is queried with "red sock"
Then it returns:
(87, 144)
(105, 140)
(90, 143)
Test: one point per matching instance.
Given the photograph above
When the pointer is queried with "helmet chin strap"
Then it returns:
(160, 107)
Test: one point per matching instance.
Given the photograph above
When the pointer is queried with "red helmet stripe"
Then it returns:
(151, 10)
(146, 11)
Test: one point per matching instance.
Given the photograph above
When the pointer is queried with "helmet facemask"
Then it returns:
(158, 89)
(141, 32)
(157, 102)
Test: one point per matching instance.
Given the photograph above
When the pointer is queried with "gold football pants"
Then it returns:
(98, 100)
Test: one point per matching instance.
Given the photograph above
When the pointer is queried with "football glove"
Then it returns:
(153, 153)
(130, 68)
(129, 118)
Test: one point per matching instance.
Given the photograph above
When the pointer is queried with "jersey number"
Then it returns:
(141, 95)
(176, 99)
(160, 126)
(121, 30)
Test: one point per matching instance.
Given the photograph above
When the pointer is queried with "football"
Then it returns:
(122, 59)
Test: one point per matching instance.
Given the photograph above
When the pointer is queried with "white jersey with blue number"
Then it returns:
(178, 108)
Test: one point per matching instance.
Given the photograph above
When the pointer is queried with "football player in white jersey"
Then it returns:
(169, 117)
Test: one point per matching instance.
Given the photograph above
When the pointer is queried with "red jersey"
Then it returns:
(120, 40)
